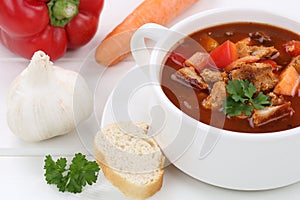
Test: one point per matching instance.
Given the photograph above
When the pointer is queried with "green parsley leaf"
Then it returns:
(249, 89)
(236, 90)
(232, 108)
(240, 99)
(260, 101)
(74, 178)
(82, 172)
(54, 170)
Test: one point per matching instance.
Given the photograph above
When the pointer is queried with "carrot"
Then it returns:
(116, 45)
(288, 82)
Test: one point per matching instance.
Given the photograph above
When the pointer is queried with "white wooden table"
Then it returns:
(21, 163)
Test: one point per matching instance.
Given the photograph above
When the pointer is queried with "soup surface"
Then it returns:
(243, 77)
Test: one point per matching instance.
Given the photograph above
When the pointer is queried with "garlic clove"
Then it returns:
(45, 101)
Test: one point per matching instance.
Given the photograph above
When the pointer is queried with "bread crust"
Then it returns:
(130, 189)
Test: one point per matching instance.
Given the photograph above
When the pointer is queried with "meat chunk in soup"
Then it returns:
(198, 60)
(189, 76)
(212, 76)
(271, 113)
(244, 49)
(261, 37)
(216, 97)
(276, 99)
(260, 74)
(241, 62)
(264, 52)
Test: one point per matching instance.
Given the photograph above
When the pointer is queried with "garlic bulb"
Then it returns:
(46, 101)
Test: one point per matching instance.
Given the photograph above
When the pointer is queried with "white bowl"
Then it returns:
(223, 158)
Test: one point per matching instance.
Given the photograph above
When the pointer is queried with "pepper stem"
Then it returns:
(62, 12)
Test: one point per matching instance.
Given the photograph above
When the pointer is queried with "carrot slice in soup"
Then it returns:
(288, 82)
(116, 44)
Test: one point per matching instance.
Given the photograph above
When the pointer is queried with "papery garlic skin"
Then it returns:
(45, 101)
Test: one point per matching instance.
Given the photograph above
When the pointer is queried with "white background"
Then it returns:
(21, 164)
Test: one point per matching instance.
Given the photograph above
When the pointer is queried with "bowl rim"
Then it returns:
(207, 13)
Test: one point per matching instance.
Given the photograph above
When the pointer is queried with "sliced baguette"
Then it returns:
(134, 186)
(129, 159)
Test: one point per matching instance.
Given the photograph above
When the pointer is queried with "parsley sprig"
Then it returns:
(241, 98)
(72, 178)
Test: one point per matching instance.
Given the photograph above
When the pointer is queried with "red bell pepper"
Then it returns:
(49, 25)
(270, 62)
(224, 54)
(292, 47)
